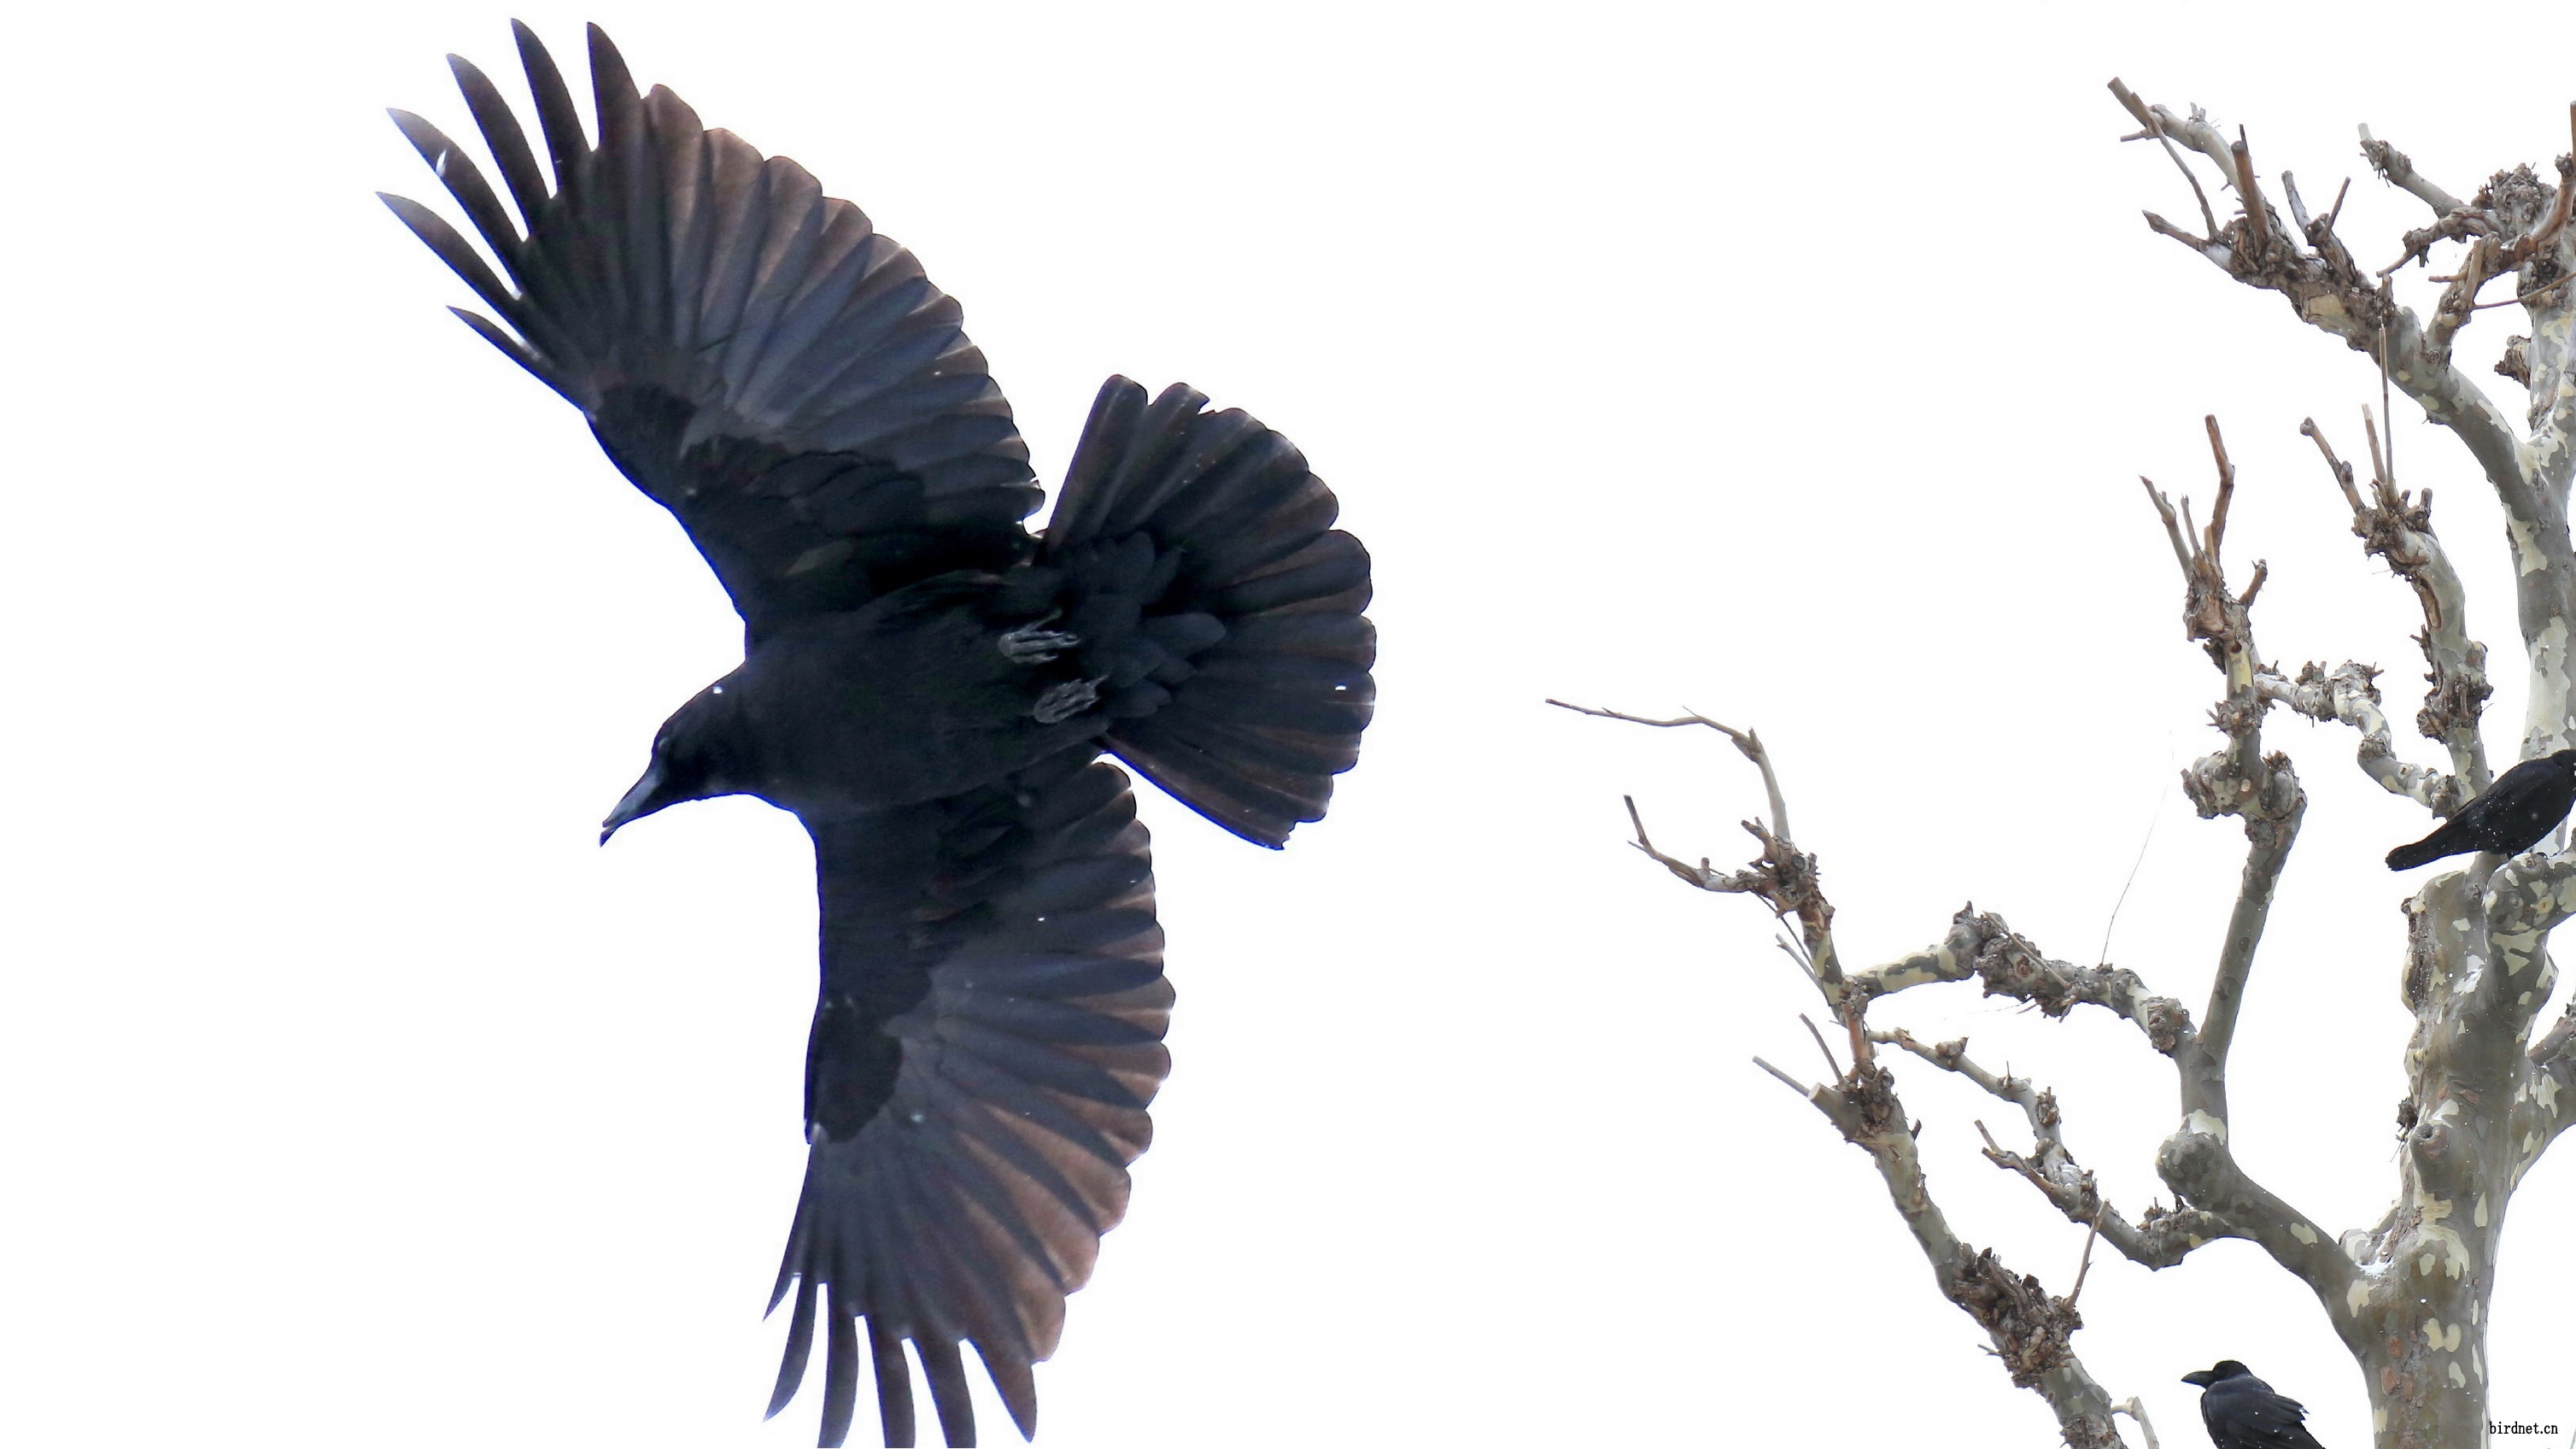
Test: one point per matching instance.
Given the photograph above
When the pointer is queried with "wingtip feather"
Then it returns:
(800, 1347)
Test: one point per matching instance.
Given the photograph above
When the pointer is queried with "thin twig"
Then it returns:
(1746, 741)
(1835, 1066)
(1792, 1083)
(2173, 527)
(2155, 128)
(2226, 488)
(1794, 952)
(2342, 470)
(2388, 308)
(2084, 1265)
(2536, 293)
(1703, 876)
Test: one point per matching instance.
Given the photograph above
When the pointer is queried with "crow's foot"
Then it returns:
(1033, 643)
(1064, 701)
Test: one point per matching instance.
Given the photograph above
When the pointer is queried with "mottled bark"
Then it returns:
(2409, 1295)
(2488, 1090)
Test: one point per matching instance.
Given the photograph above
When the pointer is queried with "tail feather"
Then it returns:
(1259, 718)
(2445, 840)
(2422, 852)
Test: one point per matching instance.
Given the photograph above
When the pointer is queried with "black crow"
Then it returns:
(2242, 1412)
(2524, 804)
(928, 687)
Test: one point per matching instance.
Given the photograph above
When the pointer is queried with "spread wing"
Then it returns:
(750, 352)
(989, 1034)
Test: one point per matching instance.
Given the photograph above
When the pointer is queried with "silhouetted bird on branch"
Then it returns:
(929, 688)
(2524, 804)
(2242, 1412)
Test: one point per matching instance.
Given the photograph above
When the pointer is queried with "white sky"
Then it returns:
(1795, 367)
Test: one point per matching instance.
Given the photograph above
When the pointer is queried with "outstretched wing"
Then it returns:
(750, 352)
(989, 1034)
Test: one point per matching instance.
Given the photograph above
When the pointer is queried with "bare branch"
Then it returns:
(2350, 695)
(2263, 792)
(2329, 292)
(1792, 1083)
(1827, 1052)
(2137, 1413)
(2251, 194)
(2226, 490)
(2477, 964)
(2031, 1331)
(2399, 172)
(1746, 742)
(2459, 226)
(2147, 118)
(1979, 944)
(2398, 527)
(2084, 1264)
(2459, 299)
(2526, 299)
(2298, 204)
(1701, 875)
(2173, 525)
(2508, 227)
(2160, 1239)
(1782, 877)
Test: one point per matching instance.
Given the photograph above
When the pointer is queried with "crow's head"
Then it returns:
(698, 755)
(2226, 1368)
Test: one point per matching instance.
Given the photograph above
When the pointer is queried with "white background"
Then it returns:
(1797, 368)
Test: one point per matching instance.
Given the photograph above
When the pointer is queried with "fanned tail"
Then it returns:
(1227, 607)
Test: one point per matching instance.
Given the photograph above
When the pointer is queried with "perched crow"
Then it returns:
(2242, 1412)
(2526, 803)
(928, 687)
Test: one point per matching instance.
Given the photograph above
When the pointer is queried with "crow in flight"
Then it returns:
(928, 687)
(2242, 1412)
(2523, 805)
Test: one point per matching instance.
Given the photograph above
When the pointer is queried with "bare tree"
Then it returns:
(2489, 1086)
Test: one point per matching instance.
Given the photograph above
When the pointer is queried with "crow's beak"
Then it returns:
(641, 801)
(2198, 1379)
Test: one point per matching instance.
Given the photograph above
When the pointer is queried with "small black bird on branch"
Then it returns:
(2242, 1412)
(928, 687)
(2524, 804)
